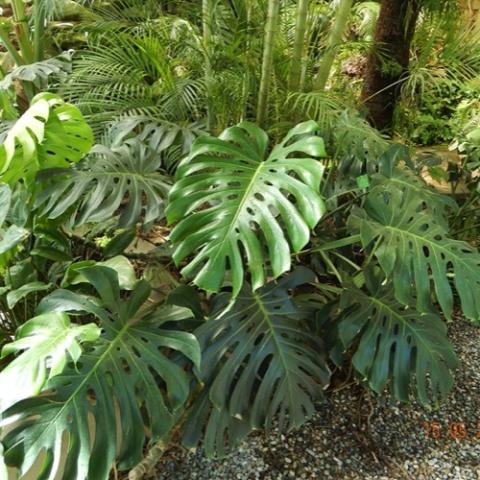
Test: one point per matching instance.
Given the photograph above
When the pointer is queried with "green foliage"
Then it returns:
(47, 339)
(39, 73)
(413, 249)
(124, 362)
(94, 190)
(124, 74)
(320, 242)
(10, 235)
(444, 65)
(11, 238)
(259, 364)
(14, 296)
(226, 193)
(49, 134)
(396, 346)
(122, 266)
(169, 140)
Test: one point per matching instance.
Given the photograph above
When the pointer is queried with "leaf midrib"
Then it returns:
(397, 315)
(429, 242)
(266, 316)
(248, 191)
(423, 239)
(91, 373)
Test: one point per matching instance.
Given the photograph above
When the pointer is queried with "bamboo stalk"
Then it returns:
(246, 76)
(22, 30)
(298, 46)
(335, 39)
(268, 49)
(207, 40)
(39, 31)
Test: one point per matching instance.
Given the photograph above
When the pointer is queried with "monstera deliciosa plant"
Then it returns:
(232, 196)
(296, 266)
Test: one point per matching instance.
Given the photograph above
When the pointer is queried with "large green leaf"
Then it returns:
(123, 385)
(111, 177)
(395, 172)
(235, 204)
(259, 363)
(414, 250)
(49, 134)
(395, 346)
(48, 341)
(38, 73)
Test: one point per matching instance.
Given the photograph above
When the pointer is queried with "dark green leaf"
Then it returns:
(413, 249)
(259, 363)
(186, 296)
(51, 253)
(115, 386)
(118, 244)
(124, 178)
(397, 347)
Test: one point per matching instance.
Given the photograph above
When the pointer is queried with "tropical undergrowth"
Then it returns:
(282, 253)
(295, 257)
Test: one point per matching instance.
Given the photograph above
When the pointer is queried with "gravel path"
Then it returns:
(352, 437)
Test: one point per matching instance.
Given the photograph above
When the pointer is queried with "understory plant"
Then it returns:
(171, 272)
(293, 261)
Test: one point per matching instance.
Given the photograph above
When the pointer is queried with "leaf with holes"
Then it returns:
(414, 250)
(236, 205)
(123, 176)
(259, 363)
(124, 385)
(396, 347)
(51, 133)
(407, 182)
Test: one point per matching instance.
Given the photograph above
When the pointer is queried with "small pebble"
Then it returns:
(354, 436)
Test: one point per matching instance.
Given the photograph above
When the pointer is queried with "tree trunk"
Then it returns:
(268, 49)
(298, 46)
(335, 39)
(393, 35)
(471, 8)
